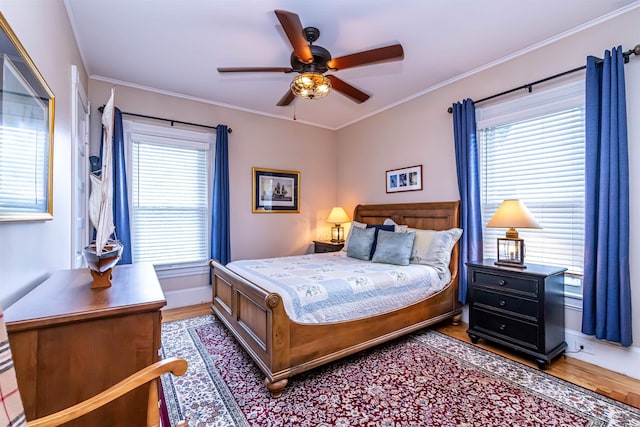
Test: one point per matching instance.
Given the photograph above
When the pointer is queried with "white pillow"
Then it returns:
(353, 224)
(397, 228)
(421, 245)
(434, 248)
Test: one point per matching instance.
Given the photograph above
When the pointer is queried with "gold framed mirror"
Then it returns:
(27, 107)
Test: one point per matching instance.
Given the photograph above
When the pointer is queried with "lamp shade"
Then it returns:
(512, 214)
(338, 216)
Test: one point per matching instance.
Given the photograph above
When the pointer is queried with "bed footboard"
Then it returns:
(282, 348)
(258, 321)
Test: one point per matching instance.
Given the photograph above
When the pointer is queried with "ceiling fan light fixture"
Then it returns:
(310, 85)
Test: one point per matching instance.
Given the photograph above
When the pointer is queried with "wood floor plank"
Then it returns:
(633, 399)
(608, 383)
(185, 312)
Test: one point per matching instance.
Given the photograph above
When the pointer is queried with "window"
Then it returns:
(532, 149)
(169, 191)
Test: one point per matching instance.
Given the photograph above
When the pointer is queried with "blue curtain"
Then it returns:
(606, 291)
(466, 146)
(120, 194)
(220, 230)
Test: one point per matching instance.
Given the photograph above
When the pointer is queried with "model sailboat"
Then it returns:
(105, 252)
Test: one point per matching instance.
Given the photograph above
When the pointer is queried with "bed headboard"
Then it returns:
(427, 216)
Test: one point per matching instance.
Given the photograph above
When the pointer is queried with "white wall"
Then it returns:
(29, 252)
(421, 132)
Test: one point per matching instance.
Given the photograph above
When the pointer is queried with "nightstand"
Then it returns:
(322, 246)
(522, 309)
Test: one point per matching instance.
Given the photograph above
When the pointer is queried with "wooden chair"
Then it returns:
(12, 411)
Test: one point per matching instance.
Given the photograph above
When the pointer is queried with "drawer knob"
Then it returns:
(501, 282)
(503, 327)
(502, 303)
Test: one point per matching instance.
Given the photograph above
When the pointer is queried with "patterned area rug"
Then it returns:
(424, 379)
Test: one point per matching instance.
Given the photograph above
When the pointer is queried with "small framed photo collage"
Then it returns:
(405, 179)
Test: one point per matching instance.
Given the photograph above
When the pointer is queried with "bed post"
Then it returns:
(275, 388)
(455, 320)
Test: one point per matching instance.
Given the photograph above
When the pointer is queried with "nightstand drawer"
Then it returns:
(524, 333)
(522, 285)
(513, 304)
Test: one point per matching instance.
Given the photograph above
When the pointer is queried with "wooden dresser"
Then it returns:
(70, 342)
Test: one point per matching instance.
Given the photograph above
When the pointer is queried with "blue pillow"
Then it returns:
(394, 248)
(378, 227)
(360, 243)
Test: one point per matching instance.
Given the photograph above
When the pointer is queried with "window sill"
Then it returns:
(165, 272)
(573, 302)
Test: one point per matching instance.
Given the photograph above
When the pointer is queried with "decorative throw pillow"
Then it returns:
(378, 227)
(439, 253)
(353, 224)
(393, 248)
(397, 228)
(421, 245)
(360, 243)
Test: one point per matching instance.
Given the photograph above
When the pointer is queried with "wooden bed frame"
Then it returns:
(283, 348)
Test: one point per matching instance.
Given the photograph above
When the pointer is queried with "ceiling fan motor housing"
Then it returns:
(319, 65)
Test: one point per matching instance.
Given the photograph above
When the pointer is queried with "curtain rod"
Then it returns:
(529, 86)
(229, 130)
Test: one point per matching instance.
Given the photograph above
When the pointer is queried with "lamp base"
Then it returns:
(510, 264)
(337, 234)
(510, 252)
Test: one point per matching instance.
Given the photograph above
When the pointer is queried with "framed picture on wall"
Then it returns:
(405, 179)
(275, 191)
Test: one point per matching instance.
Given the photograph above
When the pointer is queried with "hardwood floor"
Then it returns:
(611, 384)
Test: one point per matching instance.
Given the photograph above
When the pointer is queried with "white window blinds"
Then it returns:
(533, 150)
(23, 170)
(170, 187)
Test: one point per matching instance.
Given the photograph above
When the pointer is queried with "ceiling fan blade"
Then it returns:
(341, 86)
(254, 69)
(286, 99)
(394, 52)
(293, 29)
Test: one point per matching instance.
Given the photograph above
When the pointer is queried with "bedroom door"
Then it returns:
(80, 109)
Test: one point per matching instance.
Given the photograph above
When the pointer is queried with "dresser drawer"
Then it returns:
(522, 285)
(523, 333)
(501, 301)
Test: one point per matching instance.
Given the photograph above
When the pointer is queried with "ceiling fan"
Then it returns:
(312, 61)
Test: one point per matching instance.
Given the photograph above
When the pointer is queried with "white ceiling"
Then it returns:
(174, 47)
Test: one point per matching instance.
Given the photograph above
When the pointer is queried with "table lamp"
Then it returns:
(511, 214)
(337, 216)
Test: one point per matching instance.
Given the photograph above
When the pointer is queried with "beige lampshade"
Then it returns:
(338, 216)
(512, 214)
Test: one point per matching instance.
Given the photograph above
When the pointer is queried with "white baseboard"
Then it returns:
(624, 360)
(187, 297)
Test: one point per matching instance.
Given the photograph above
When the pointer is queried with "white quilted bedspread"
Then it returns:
(331, 287)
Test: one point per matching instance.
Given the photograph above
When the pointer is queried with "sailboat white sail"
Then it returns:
(105, 252)
(101, 198)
